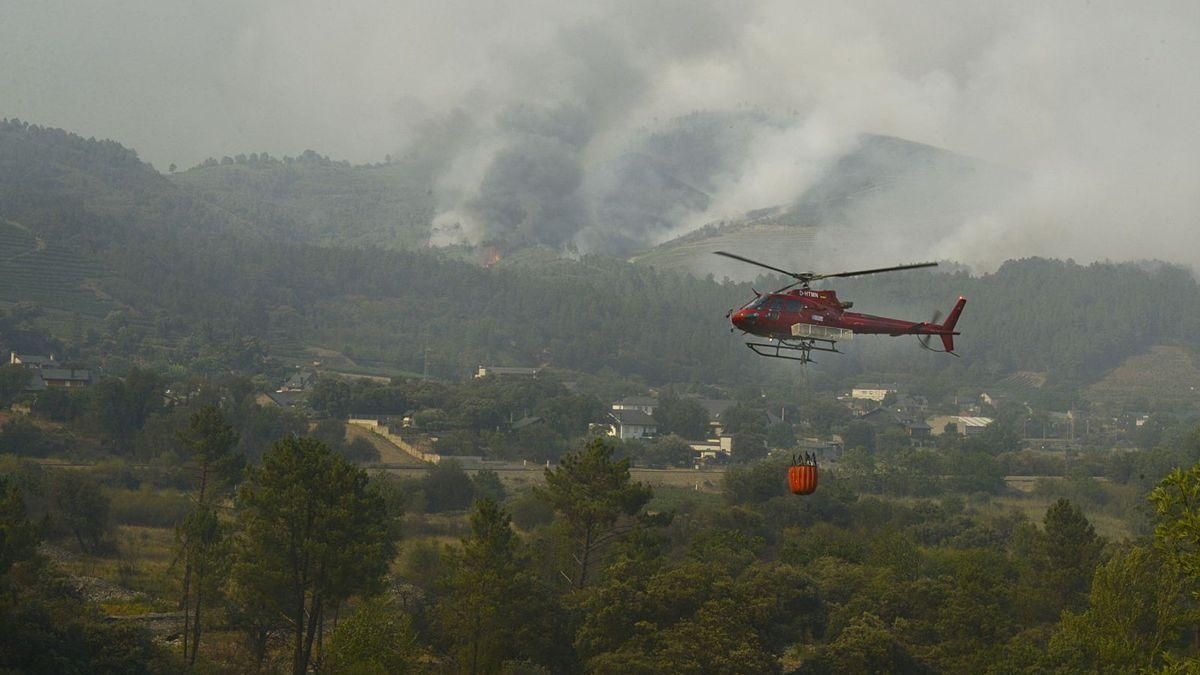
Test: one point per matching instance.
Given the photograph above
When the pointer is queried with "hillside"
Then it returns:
(1161, 379)
(311, 199)
(50, 175)
(693, 252)
(884, 192)
(193, 279)
(166, 277)
(86, 225)
(884, 181)
(49, 274)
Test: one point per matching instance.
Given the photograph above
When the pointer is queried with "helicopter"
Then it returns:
(799, 321)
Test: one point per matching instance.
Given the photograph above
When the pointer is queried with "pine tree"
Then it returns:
(310, 535)
(1070, 551)
(209, 442)
(596, 497)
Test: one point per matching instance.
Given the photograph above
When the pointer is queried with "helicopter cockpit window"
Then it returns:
(758, 302)
(793, 305)
(775, 305)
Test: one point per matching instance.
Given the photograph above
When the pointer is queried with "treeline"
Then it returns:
(308, 156)
(137, 419)
(1072, 321)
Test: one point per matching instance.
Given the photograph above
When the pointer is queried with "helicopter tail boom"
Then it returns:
(948, 326)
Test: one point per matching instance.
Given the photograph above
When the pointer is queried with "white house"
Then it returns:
(646, 404)
(626, 424)
(714, 447)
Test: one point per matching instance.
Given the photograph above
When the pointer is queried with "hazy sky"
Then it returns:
(1098, 101)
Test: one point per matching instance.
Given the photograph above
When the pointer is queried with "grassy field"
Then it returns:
(682, 499)
(1034, 508)
(135, 577)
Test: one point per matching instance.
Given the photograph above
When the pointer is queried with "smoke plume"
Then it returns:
(615, 124)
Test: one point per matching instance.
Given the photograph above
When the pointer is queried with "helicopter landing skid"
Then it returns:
(794, 349)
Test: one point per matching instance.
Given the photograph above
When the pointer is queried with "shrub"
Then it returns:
(149, 508)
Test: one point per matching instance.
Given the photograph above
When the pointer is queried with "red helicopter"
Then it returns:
(799, 321)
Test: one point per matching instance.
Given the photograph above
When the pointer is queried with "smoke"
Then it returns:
(616, 124)
(1072, 125)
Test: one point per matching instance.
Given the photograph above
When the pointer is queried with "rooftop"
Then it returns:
(285, 399)
(73, 374)
(715, 406)
(638, 400)
(526, 422)
(633, 417)
(31, 359)
(974, 421)
(506, 370)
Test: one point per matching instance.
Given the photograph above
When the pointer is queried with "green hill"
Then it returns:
(311, 199)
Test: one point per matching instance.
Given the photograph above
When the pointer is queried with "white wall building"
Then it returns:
(646, 404)
(871, 392)
(965, 425)
(627, 424)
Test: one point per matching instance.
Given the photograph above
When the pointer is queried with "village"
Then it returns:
(869, 416)
(853, 417)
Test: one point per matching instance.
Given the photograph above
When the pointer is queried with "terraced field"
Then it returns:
(1167, 374)
(33, 270)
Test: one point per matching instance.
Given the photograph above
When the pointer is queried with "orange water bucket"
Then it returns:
(802, 478)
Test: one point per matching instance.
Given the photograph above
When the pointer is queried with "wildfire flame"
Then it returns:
(490, 255)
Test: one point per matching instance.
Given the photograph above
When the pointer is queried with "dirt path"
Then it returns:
(389, 454)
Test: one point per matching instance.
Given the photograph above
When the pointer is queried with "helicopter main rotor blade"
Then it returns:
(755, 262)
(879, 270)
(806, 277)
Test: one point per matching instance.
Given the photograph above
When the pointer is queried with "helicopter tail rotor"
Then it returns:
(945, 330)
(924, 339)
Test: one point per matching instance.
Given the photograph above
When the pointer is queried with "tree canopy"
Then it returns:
(311, 535)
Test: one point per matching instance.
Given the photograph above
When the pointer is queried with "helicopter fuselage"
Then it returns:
(772, 315)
